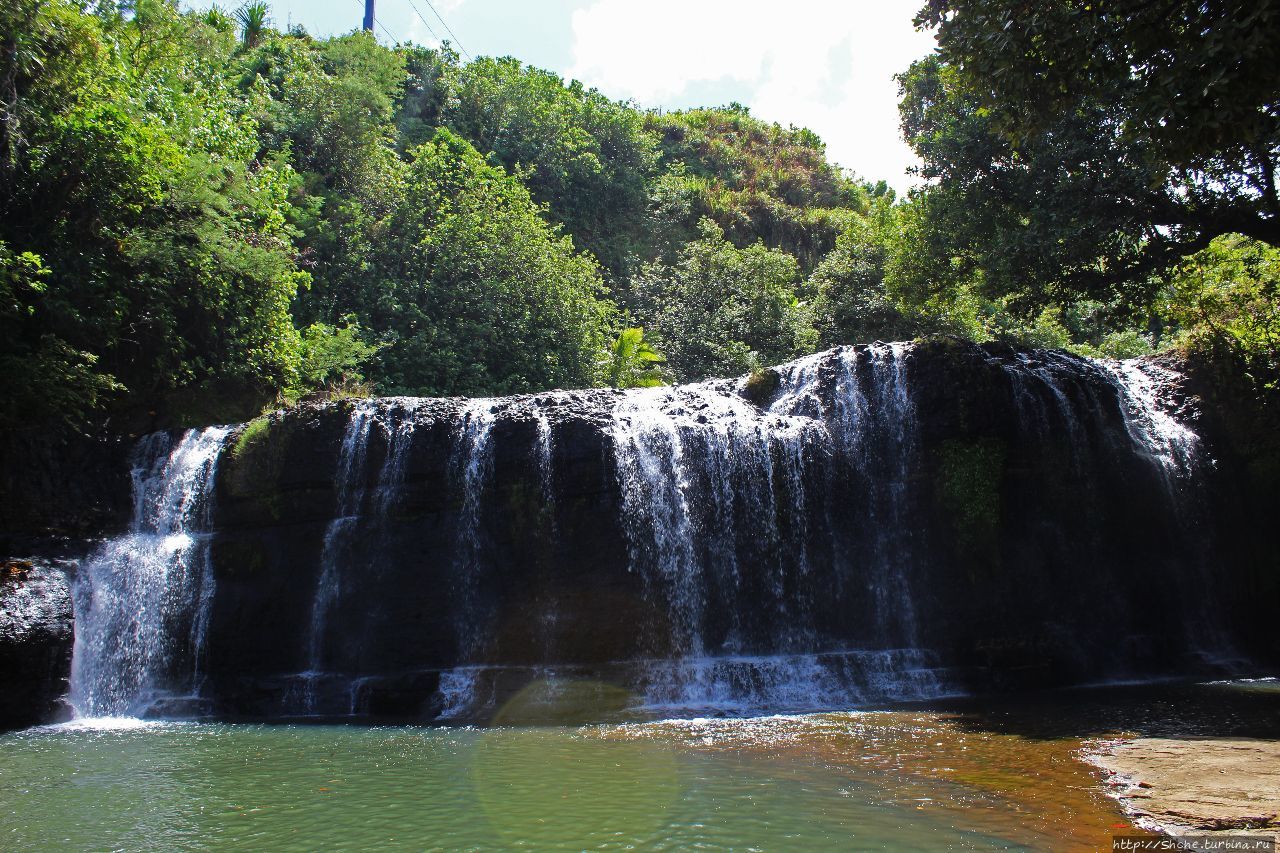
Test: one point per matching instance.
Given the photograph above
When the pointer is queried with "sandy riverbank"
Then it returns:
(1196, 785)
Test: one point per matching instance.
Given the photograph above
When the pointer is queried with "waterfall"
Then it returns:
(1033, 378)
(351, 477)
(785, 541)
(544, 449)
(472, 468)
(1055, 395)
(400, 427)
(891, 419)
(357, 511)
(710, 483)
(141, 601)
(1174, 448)
(1176, 454)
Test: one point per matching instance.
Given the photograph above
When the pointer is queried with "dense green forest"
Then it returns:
(202, 215)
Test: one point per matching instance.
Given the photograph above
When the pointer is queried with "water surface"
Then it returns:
(772, 783)
(970, 774)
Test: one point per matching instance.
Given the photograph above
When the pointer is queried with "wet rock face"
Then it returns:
(455, 552)
(35, 641)
(937, 516)
(867, 524)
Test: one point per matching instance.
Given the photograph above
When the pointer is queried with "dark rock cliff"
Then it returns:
(867, 524)
(1024, 537)
(35, 641)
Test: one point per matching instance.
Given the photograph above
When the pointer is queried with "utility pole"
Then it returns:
(368, 15)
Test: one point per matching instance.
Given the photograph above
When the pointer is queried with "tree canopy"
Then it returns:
(201, 215)
(1084, 150)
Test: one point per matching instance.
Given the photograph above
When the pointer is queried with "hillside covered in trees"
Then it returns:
(201, 215)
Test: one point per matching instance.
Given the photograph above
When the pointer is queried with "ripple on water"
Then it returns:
(872, 780)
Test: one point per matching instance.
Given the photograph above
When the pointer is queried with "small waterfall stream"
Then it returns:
(350, 483)
(350, 480)
(141, 601)
(472, 469)
(1176, 453)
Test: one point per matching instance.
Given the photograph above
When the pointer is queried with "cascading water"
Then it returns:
(350, 484)
(1174, 448)
(879, 523)
(546, 465)
(1055, 396)
(358, 511)
(472, 468)
(141, 602)
(892, 419)
(708, 480)
(1176, 453)
(401, 427)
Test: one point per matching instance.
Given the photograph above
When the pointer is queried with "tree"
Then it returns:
(852, 302)
(587, 158)
(1064, 214)
(429, 76)
(477, 294)
(632, 362)
(1229, 295)
(145, 248)
(1197, 82)
(1081, 151)
(332, 104)
(721, 310)
(254, 19)
(331, 359)
(757, 180)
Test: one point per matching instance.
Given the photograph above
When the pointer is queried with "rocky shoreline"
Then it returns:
(1201, 786)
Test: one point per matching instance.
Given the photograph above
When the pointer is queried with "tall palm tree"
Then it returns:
(253, 20)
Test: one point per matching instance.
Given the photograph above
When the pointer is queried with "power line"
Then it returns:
(385, 31)
(424, 22)
(446, 26)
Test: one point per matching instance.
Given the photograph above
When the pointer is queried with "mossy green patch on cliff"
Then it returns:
(256, 461)
(529, 515)
(239, 558)
(968, 488)
(254, 432)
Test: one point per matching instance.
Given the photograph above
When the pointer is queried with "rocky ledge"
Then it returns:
(1197, 786)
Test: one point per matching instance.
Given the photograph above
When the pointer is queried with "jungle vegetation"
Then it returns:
(201, 214)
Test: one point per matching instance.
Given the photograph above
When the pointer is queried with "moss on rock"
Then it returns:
(761, 385)
(968, 487)
(256, 461)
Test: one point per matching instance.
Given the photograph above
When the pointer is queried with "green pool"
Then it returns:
(971, 774)
(743, 784)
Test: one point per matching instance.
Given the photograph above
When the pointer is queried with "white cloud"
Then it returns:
(824, 64)
(418, 33)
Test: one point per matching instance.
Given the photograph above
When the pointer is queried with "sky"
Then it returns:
(823, 64)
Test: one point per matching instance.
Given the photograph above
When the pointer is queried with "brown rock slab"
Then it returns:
(1196, 785)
